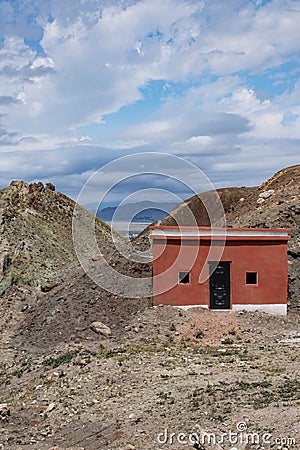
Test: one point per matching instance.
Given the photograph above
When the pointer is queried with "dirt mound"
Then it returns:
(64, 314)
(36, 233)
(62, 311)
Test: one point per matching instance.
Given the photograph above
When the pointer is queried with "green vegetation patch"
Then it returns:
(62, 359)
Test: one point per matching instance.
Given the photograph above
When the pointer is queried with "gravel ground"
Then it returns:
(161, 371)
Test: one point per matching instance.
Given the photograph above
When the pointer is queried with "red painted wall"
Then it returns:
(267, 257)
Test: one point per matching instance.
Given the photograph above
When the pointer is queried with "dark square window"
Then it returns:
(184, 277)
(251, 277)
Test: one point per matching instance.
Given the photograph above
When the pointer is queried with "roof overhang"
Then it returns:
(207, 233)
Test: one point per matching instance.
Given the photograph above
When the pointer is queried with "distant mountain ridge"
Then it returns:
(143, 211)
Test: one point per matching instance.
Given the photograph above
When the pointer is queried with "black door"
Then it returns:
(219, 285)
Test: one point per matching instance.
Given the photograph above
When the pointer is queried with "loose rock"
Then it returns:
(97, 257)
(100, 328)
(266, 194)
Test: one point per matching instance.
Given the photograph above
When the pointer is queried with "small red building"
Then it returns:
(223, 269)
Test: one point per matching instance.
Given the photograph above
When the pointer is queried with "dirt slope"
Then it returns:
(229, 198)
(36, 233)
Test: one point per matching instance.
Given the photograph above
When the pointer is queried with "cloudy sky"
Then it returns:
(83, 82)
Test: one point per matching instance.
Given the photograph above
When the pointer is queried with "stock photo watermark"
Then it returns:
(229, 440)
(134, 167)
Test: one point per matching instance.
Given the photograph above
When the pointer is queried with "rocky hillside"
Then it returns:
(273, 204)
(36, 243)
(36, 233)
(196, 204)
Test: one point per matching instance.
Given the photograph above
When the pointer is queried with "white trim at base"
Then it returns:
(280, 309)
(191, 306)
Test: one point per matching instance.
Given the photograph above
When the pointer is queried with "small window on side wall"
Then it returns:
(184, 277)
(251, 277)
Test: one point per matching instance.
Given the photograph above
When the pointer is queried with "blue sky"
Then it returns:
(83, 82)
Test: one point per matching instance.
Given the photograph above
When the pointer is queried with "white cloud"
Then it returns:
(247, 38)
(95, 58)
(15, 56)
(97, 67)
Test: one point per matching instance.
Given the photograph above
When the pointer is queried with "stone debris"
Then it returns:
(97, 257)
(3, 263)
(266, 194)
(50, 407)
(4, 411)
(100, 328)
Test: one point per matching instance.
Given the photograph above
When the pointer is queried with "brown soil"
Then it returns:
(162, 368)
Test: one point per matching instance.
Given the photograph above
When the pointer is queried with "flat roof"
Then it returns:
(173, 232)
